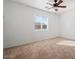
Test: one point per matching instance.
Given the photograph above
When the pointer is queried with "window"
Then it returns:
(41, 23)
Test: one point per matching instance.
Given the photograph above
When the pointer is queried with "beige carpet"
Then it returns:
(46, 49)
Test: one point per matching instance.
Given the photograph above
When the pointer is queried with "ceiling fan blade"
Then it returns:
(59, 2)
(50, 4)
(62, 6)
(49, 7)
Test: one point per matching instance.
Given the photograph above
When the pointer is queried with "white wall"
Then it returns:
(19, 24)
(67, 25)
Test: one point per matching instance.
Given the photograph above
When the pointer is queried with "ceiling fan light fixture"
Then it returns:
(56, 9)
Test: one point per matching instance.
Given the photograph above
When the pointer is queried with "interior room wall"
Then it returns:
(67, 24)
(18, 24)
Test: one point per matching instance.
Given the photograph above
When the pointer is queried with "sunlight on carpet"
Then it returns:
(66, 42)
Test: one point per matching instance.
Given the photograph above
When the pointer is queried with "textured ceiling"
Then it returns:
(41, 4)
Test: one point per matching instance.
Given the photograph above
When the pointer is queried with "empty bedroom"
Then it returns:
(39, 29)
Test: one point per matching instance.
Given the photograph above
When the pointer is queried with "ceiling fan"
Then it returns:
(56, 4)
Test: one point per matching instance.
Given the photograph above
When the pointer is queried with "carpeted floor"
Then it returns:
(58, 48)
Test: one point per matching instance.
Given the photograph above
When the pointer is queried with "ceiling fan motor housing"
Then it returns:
(55, 5)
(55, 1)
